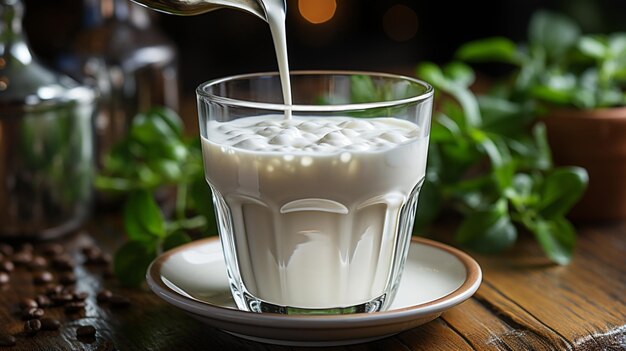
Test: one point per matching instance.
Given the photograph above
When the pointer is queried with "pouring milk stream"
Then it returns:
(271, 11)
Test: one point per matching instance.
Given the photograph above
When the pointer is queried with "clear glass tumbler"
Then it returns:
(315, 201)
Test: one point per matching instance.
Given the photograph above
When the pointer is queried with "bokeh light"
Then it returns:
(400, 23)
(317, 11)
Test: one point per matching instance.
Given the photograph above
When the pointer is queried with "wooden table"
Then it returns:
(524, 303)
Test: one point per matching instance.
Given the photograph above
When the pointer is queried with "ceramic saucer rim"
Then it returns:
(204, 309)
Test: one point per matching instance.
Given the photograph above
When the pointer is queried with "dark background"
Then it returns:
(228, 42)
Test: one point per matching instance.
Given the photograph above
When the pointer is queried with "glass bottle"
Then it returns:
(46, 140)
(132, 65)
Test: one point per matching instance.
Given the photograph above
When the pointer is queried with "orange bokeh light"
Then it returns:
(317, 11)
(400, 23)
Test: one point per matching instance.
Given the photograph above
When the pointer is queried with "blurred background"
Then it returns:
(382, 35)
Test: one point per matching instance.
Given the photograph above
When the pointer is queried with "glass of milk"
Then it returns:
(315, 201)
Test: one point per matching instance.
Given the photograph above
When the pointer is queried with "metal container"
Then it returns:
(46, 141)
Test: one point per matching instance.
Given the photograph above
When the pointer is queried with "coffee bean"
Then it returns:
(105, 258)
(80, 296)
(7, 340)
(50, 324)
(32, 313)
(6, 250)
(104, 296)
(37, 263)
(22, 258)
(43, 301)
(69, 290)
(63, 263)
(106, 346)
(4, 278)
(27, 303)
(52, 249)
(26, 247)
(74, 307)
(89, 249)
(61, 299)
(67, 278)
(41, 278)
(108, 273)
(85, 331)
(6, 266)
(32, 326)
(54, 289)
(117, 301)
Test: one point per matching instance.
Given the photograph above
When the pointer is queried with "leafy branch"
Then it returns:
(155, 155)
(485, 164)
(559, 65)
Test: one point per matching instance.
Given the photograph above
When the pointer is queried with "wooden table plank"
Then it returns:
(586, 297)
(490, 321)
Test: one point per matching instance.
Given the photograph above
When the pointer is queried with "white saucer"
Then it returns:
(193, 278)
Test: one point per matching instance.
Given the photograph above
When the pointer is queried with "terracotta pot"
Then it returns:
(596, 141)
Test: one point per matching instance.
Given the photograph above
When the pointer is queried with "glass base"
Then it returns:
(254, 304)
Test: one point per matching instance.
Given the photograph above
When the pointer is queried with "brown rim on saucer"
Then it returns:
(470, 285)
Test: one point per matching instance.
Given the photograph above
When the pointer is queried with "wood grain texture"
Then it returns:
(525, 303)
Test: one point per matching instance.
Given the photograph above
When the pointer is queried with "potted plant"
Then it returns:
(576, 83)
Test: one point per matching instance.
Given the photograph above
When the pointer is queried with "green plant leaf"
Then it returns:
(459, 74)
(175, 239)
(170, 117)
(131, 262)
(560, 190)
(556, 237)
(490, 49)
(593, 47)
(362, 89)
(428, 206)
(143, 219)
(488, 231)
(553, 32)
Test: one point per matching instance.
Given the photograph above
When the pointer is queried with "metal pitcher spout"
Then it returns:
(196, 7)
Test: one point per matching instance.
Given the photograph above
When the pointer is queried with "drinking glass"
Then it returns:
(315, 201)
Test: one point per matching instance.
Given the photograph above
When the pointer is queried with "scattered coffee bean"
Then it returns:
(108, 272)
(63, 263)
(85, 331)
(54, 289)
(104, 296)
(32, 326)
(32, 313)
(4, 278)
(38, 263)
(27, 303)
(6, 266)
(117, 301)
(26, 247)
(90, 250)
(67, 278)
(80, 296)
(41, 278)
(74, 307)
(61, 299)
(43, 301)
(106, 346)
(7, 340)
(6, 250)
(22, 258)
(105, 258)
(50, 324)
(52, 249)
(69, 290)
